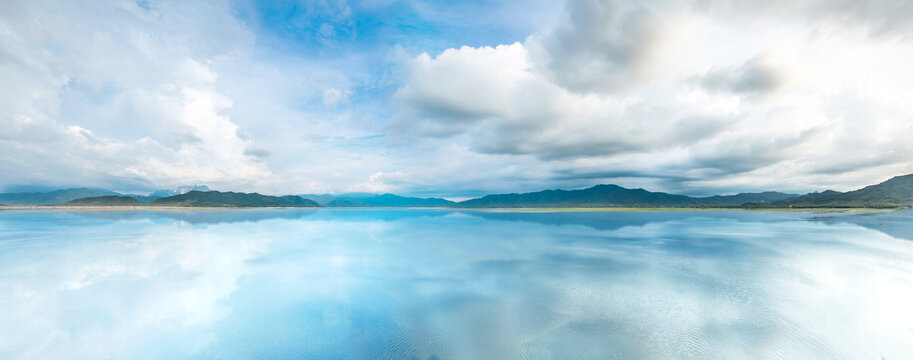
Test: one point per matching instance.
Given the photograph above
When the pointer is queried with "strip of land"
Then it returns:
(512, 210)
(120, 208)
(636, 209)
(894, 193)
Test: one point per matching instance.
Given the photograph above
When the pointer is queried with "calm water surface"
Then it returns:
(441, 284)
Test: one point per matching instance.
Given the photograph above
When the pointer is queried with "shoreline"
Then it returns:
(517, 209)
(131, 208)
(635, 209)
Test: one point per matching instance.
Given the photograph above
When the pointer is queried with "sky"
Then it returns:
(456, 99)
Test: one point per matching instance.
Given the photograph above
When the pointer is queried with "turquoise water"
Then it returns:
(441, 284)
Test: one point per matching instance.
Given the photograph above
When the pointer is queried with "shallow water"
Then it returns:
(441, 284)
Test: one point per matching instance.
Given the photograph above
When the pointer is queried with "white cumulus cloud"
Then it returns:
(691, 95)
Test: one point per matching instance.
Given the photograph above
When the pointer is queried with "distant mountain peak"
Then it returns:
(52, 197)
(180, 190)
(896, 191)
(381, 200)
(900, 178)
(31, 188)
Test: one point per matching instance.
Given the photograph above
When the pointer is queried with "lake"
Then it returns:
(449, 284)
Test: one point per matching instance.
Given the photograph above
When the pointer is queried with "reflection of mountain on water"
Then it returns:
(198, 217)
(897, 224)
(613, 220)
(235, 216)
(216, 216)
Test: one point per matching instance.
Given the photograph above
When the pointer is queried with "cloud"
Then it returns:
(704, 91)
(285, 98)
(494, 95)
(332, 97)
(169, 288)
(257, 152)
(132, 97)
(602, 47)
(751, 77)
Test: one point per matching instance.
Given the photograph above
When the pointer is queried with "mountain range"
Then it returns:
(895, 192)
(374, 200)
(197, 198)
(615, 196)
(52, 197)
(177, 191)
(110, 200)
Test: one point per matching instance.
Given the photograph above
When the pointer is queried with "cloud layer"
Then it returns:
(699, 97)
(701, 94)
(130, 98)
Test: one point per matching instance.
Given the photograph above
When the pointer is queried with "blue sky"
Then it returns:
(328, 28)
(455, 99)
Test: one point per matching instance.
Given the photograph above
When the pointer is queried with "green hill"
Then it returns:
(617, 196)
(897, 191)
(322, 199)
(232, 199)
(814, 197)
(596, 196)
(143, 198)
(767, 197)
(111, 200)
(53, 197)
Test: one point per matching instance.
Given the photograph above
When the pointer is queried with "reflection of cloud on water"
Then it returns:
(94, 294)
(219, 216)
(200, 217)
(613, 220)
(668, 296)
(344, 284)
